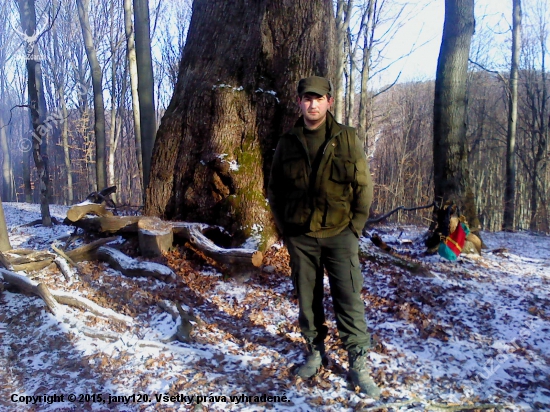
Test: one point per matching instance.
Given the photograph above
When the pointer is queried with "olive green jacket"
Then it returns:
(338, 192)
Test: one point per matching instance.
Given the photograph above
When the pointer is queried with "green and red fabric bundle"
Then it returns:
(452, 245)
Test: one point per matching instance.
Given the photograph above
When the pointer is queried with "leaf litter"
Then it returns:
(470, 335)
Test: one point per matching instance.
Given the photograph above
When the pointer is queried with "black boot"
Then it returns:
(313, 363)
(359, 373)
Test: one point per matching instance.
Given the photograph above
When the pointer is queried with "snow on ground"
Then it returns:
(464, 334)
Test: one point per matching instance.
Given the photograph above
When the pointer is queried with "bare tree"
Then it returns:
(97, 84)
(37, 104)
(510, 192)
(450, 154)
(343, 16)
(133, 72)
(146, 86)
(8, 189)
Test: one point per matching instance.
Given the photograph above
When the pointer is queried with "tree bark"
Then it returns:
(132, 67)
(37, 106)
(510, 191)
(368, 34)
(59, 84)
(4, 239)
(343, 16)
(236, 93)
(146, 86)
(97, 85)
(7, 178)
(450, 154)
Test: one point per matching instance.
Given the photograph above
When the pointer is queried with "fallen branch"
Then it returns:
(99, 334)
(432, 406)
(64, 268)
(88, 252)
(131, 267)
(439, 407)
(183, 332)
(52, 297)
(62, 254)
(30, 286)
(406, 209)
(85, 304)
(394, 259)
(193, 233)
(36, 222)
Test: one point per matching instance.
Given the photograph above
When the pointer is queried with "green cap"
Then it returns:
(314, 84)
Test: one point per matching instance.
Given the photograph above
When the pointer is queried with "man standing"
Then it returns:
(320, 193)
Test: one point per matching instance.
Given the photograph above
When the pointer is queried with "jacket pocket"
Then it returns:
(355, 274)
(342, 171)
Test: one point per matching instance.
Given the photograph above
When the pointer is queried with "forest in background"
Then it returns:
(396, 119)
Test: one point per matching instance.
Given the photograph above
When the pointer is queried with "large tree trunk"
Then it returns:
(510, 191)
(37, 106)
(97, 85)
(450, 154)
(236, 93)
(146, 86)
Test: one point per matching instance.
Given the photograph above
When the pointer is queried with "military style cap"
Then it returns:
(314, 84)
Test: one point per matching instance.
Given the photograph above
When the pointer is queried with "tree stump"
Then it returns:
(155, 236)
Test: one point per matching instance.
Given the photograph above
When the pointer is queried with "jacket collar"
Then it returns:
(333, 127)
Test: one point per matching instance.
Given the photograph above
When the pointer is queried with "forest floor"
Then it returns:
(467, 335)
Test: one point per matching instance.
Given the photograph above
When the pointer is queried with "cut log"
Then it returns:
(33, 266)
(80, 210)
(20, 251)
(109, 224)
(88, 252)
(4, 261)
(155, 236)
(131, 267)
(36, 260)
(193, 233)
(36, 256)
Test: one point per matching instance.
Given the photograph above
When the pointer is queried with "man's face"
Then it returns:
(314, 108)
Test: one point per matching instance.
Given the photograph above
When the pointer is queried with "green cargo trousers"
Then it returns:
(309, 257)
